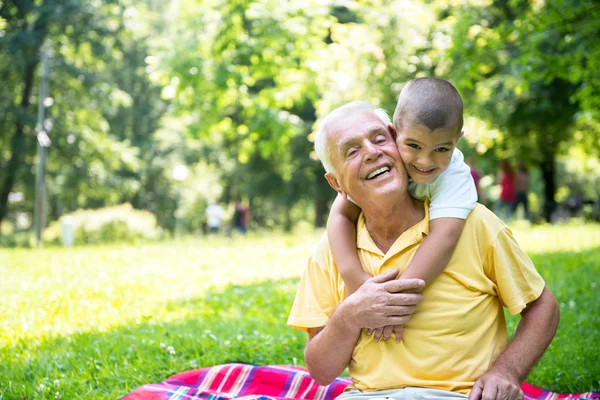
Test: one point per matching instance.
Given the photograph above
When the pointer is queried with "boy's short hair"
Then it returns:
(431, 102)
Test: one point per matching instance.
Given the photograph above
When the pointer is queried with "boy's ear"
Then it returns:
(393, 131)
(460, 135)
(333, 182)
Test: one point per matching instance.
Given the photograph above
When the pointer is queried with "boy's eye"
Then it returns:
(442, 149)
(414, 146)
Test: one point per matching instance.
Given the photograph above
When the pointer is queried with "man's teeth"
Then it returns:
(378, 172)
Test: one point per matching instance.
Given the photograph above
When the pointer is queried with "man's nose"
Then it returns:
(372, 151)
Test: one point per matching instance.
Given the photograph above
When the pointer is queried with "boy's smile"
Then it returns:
(425, 153)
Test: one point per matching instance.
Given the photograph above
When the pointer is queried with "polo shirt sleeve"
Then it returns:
(316, 298)
(453, 194)
(517, 281)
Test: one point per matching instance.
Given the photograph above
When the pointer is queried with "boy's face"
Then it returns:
(425, 154)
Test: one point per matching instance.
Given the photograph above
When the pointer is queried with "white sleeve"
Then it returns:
(453, 194)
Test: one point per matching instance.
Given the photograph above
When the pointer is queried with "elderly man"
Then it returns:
(455, 344)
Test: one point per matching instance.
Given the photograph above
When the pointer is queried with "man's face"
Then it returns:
(425, 154)
(365, 158)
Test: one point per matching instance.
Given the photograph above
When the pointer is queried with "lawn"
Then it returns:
(96, 322)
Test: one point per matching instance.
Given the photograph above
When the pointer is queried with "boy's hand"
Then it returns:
(386, 332)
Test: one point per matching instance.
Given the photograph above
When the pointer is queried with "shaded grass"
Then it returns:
(89, 322)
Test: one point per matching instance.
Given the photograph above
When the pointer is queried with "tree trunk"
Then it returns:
(321, 211)
(323, 195)
(288, 223)
(548, 174)
(18, 142)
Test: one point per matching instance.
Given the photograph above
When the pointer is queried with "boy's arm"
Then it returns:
(341, 232)
(430, 260)
(436, 250)
(453, 196)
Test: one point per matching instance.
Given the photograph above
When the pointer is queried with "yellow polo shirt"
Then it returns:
(459, 327)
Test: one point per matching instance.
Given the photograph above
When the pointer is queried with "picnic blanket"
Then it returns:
(272, 382)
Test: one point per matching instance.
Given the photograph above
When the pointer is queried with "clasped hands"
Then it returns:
(384, 304)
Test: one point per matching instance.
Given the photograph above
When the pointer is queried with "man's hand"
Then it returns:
(496, 386)
(384, 301)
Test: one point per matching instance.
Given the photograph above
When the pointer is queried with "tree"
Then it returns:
(27, 25)
(524, 67)
(240, 73)
(105, 108)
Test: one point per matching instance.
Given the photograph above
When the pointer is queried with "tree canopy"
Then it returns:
(235, 89)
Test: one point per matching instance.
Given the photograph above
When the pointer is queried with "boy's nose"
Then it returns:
(425, 161)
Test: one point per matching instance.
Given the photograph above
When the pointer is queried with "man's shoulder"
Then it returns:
(321, 254)
(484, 222)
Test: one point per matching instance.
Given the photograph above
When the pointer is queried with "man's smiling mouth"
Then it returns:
(378, 172)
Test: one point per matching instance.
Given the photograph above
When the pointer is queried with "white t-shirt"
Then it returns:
(214, 214)
(452, 194)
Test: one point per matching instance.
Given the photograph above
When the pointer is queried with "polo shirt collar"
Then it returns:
(411, 236)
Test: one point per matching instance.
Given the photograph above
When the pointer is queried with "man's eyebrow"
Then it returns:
(348, 142)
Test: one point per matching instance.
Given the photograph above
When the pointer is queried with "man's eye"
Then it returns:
(380, 140)
(351, 152)
(442, 149)
(414, 146)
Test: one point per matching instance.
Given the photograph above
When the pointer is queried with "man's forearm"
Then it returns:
(533, 335)
(329, 350)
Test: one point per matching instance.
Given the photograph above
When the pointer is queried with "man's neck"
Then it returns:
(385, 225)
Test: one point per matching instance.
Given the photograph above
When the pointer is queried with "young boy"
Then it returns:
(428, 120)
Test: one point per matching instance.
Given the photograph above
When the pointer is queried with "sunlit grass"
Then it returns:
(89, 322)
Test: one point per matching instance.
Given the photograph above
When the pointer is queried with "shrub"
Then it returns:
(16, 239)
(120, 223)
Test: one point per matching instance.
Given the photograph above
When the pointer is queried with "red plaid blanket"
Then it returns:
(273, 382)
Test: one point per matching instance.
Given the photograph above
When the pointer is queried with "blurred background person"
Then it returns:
(507, 200)
(476, 178)
(214, 216)
(240, 218)
(522, 189)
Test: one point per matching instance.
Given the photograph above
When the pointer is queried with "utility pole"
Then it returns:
(42, 127)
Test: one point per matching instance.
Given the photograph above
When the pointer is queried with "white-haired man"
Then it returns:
(455, 344)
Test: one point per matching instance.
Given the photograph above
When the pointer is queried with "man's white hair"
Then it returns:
(322, 144)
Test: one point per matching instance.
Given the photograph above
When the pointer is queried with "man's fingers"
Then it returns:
(405, 285)
(489, 391)
(404, 299)
(477, 391)
(386, 276)
(397, 320)
(399, 311)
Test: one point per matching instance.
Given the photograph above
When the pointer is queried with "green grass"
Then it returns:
(97, 322)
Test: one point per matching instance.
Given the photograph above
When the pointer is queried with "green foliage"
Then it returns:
(116, 224)
(524, 67)
(98, 322)
(236, 90)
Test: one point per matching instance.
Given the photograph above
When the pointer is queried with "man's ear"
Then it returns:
(393, 131)
(333, 182)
